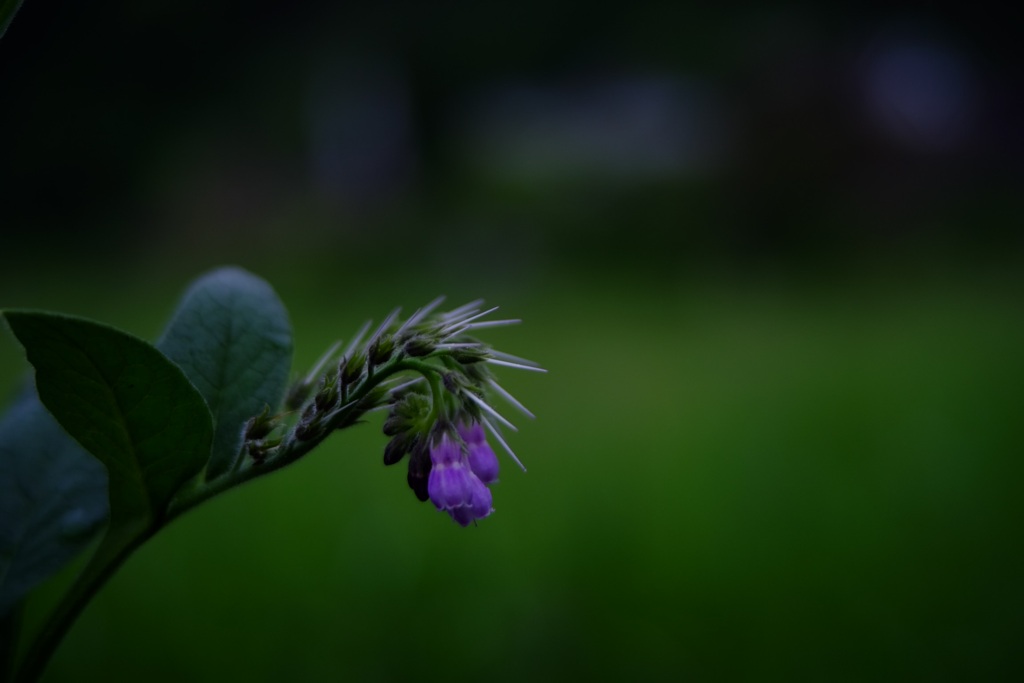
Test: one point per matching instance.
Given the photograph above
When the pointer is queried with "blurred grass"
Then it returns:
(728, 479)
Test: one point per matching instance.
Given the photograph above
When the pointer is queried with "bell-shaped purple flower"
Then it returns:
(453, 486)
(482, 459)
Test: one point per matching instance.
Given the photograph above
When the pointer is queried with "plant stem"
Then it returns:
(74, 601)
(119, 544)
(292, 449)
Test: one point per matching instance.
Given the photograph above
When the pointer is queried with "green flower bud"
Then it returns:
(351, 369)
(258, 426)
(327, 397)
(381, 350)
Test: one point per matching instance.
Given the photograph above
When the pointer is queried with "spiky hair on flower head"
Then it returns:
(434, 378)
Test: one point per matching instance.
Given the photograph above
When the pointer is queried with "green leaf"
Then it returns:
(8, 8)
(53, 499)
(231, 336)
(132, 408)
(125, 403)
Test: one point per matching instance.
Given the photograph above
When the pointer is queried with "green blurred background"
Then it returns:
(771, 256)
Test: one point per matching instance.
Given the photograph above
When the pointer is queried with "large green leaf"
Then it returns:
(126, 403)
(132, 408)
(53, 498)
(231, 336)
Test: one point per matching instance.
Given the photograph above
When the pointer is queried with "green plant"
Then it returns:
(207, 408)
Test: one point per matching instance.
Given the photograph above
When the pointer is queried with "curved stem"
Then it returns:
(108, 559)
(119, 544)
(293, 448)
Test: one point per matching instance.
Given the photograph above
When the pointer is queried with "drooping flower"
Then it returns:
(453, 486)
(482, 459)
(439, 418)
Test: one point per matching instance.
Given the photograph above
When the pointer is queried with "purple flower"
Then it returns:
(482, 459)
(453, 485)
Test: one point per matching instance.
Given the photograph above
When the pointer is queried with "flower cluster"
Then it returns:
(459, 475)
(442, 426)
(433, 377)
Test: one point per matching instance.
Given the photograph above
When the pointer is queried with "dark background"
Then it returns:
(770, 254)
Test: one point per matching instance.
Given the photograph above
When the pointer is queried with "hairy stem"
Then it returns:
(110, 556)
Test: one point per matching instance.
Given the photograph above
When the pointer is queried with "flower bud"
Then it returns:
(394, 425)
(482, 460)
(395, 450)
(420, 346)
(468, 356)
(307, 431)
(258, 426)
(351, 369)
(419, 471)
(327, 397)
(451, 383)
(380, 351)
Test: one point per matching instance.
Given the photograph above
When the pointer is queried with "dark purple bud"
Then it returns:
(468, 356)
(396, 449)
(450, 382)
(394, 425)
(306, 431)
(419, 471)
(419, 346)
